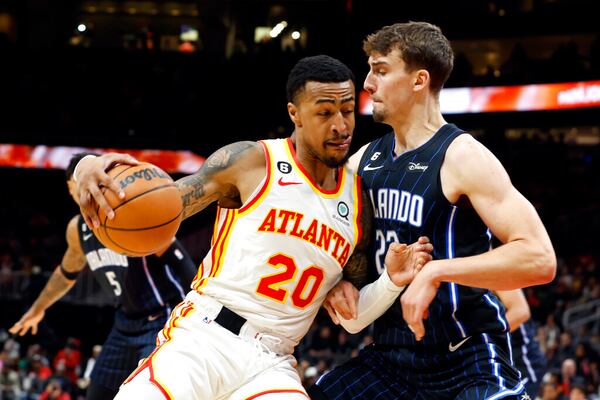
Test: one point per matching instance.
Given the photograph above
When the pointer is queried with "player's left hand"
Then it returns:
(403, 262)
(416, 300)
(342, 300)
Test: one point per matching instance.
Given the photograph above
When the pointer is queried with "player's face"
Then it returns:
(390, 86)
(71, 185)
(324, 119)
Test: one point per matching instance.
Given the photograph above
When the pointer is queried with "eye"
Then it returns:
(381, 72)
(348, 111)
(324, 113)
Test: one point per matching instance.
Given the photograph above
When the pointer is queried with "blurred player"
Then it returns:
(446, 338)
(144, 290)
(526, 352)
(292, 226)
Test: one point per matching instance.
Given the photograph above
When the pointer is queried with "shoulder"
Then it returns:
(468, 164)
(73, 227)
(468, 157)
(72, 233)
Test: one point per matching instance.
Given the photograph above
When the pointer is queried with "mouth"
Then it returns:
(340, 144)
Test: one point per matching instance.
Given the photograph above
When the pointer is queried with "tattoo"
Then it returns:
(355, 270)
(196, 193)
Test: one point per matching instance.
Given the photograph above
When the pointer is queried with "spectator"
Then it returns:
(55, 391)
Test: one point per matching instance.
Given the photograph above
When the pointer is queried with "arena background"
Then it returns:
(192, 76)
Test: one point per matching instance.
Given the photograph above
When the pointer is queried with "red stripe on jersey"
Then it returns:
(359, 206)
(336, 190)
(254, 396)
(265, 184)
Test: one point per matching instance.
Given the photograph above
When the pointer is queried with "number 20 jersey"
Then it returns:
(273, 260)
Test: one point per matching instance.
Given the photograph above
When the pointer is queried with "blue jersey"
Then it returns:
(528, 356)
(140, 286)
(408, 202)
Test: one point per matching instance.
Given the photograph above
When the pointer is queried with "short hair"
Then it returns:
(421, 45)
(74, 160)
(319, 68)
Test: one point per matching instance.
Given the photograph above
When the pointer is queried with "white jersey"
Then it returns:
(274, 259)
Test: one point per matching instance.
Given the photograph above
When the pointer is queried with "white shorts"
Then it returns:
(196, 358)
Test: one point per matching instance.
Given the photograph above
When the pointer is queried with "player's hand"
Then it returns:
(29, 320)
(91, 176)
(403, 262)
(343, 299)
(416, 300)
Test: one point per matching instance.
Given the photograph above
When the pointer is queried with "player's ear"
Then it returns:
(294, 114)
(421, 79)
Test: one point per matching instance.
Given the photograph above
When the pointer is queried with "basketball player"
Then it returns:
(289, 223)
(144, 290)
(526, 352)
(446, 338)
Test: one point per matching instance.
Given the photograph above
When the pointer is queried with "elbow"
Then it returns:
(350, 327)
(545, 267)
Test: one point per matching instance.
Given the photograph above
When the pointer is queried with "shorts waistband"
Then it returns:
(212, 310)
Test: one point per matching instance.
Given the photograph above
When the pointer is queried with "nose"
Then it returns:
(339, 124)
(369, 85)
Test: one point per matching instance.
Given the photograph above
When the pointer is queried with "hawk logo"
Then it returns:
(525, 396)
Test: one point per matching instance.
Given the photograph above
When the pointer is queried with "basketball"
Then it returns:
(147, 218)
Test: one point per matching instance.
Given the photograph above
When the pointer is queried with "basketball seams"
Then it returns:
(151, 201)
(143, 193)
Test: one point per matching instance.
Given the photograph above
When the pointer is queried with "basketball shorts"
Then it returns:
(480, 368)
(196, 358)
(129, 341)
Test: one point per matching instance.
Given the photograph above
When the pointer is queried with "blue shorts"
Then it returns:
(532, 364)
(129, 341)
(480, 368)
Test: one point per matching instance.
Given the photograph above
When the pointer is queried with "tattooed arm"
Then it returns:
(58, 285)
(228, 176)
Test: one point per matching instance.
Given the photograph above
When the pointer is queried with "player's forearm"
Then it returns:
(514, 265)
(516, 317)
(375, 299)
(56, 287)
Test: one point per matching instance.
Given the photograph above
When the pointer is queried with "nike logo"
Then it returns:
(282, 183)
(455, 347)
(86, 237)
(154, 317)
(369, 168)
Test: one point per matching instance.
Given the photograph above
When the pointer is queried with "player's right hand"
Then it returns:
(30, 320)
(91, 176)
(342, 301)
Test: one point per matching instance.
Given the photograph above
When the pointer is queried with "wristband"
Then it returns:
(77, 166)
(69, 275)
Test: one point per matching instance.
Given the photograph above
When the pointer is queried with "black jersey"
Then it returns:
(408, 202)
(139, 285)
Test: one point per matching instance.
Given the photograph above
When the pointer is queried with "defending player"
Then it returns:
(144, 289)
(447, 338)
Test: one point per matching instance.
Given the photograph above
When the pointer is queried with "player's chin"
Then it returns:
(337, 158)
